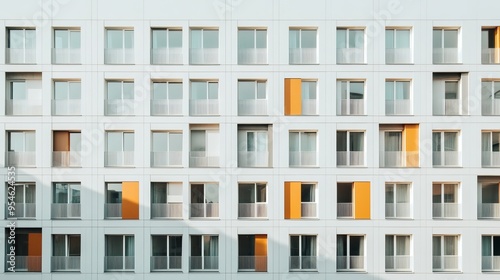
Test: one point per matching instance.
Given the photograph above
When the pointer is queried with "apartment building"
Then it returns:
(238, 139)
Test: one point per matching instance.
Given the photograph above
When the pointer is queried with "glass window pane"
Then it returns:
(30, 141)
(60, 90)
(437, 38)
(294, 38)
(356, 39)
(389, 194)
(294, 246)
(114, 142)
(250, 141)
(451, 90)
(389, 90)
(210, 38)
(294, 141)
(198, 90)
(74, 39)
(261, 39)
(175, 38)
(75, 141)
(129, 39)
(403, 38)
(213, 89)
(211, 193)
(16, 39)
(175, 142)
(198, 140)
(128, 141)
(128, 90)
(159, 245)
(356, 141)
(175, 246)
(246, 39)
(16, 141)
(341, 141)
(159, 38)
(246, 193)
(341, 38)
(74, 245)
(159, 91)
(308, 38)
(261, 90)
(174, 90)
(61, 39)
(262, 194)
(496, 90)
(75, 90)
(389, 38)
(160, 142)
(18, 90)
(451, 38)
(114, 39)
(114, 90)
(356, 90)
(60, 194)
(30, 39)
(113, 193)
(196, 39)
(246, 90)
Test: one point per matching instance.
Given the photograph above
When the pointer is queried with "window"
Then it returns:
(21, 148)
(24, 94)
(445, 151)
(166, 200)
(205, 200)
(204, 150)
(398, 46)
(397, 97)
(113, 206)
(252, 200)
(490, 53)
(21, 46)
(300, 97)
(353, 200)
(119, 46)
(166, 149)
(120, 252)
(350, 46)
(350, 253)
(445, 42)
(398, 256)
(303, 46)
(450, 94)
(66, 200)
(24, 201)
(303, 252)
(166, 98)
(300, 200)
(252, 253)
(253, 146)
(204, 252)
(66, 149)
(166, 252)
(399, 145)
(445, 200)
(121, 200)
(309, 97)
(350, 97)
(488, 197)
(252, 97)
(204, 99)
(490, 148)
(252, 46)
(490, 252)
(445, 253)
(27, 250)
(166, 46)
(66, 46)
(120, 98)
(490, 97)
(66, 250)
(67, 98)
(350, 148)
(204, 46)
(398, 201)
(119, 148)
(302, 148)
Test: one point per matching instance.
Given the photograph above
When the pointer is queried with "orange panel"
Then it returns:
(261, 252)
(293, 200)
(497, 45)
(61, 141)
(410, 134)
(130, 200)
(34, 252)
(362, 200)
(293, 97)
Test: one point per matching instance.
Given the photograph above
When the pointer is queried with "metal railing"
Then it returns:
(303, 55)
(446, 210)
(308, 209)
(20, 56)
(398, 56)
(350, 56)
(253, 159)
(398, 210)
(490, 107)
(309, 107)
(252, 107)
(26, 263)
(119, 263)
(204, 56)
(446, 55)
(490, 159)
(446, 158)
(65, 263)
(166, 263)
(398, 107)
(22, 211)
(119, 158)
(66, 159)
(489, 210)
(166, 107)
(445, 263)
(66, 210)
(351, 158)
(490, 263)
(490, 56)
(166, 56)
(112, 210)
(165, 159)
(352, 107)
(398, 263)
(204, 263)
(351, 263)
(252, 210)
(344, 210)
(202, 107)
(66, 56)
(252, 263)
(21, 159)
(303, 263)
(119, 56)
(204, 210)
(398, 159)
(252, 56)
(166, 210)
(302, 158)
(24, 107)
(200, 159)
(66, 107)
(119, 107)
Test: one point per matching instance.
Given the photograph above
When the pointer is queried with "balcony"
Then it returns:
(67, 107)
(253, 159)
(346, 263)
(66, 159)
(451, 108)
(203, 263)
(398, 107)
(113, 210)
(166, 210)
(166, 159)
(352, 158)
(446, 210)
(204, 56)
(344, 210)
(66, 56)
(351, 56)
(21, 159)
(446, 55)
(166, 107)
(120, 263)
(162, 263)
(398, 159)
(309, 107)
(21, 211)
(119, 107)
(303, 56)
(26, 263)
(303, 159)
(490, 263)
(63, 263)
(66, 210)
(204, 210)
(445, 263)
(352, 107)
(446, 158)
(398, 56)
(252, 210)
(490, 159)
(203, 107)
(119, 159)
(253, 107)
(304, 263)
(20, 56)
(166, 56)
(252, 56)
(252, 263)
(489, 210)
(398, 263)
(24, 107)
(119, 56)
(490, 107)
(398, 210)
(308, 209)
(490, 56)
(201, 159)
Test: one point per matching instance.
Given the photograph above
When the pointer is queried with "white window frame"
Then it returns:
(442, 151)
(348, 147)
(442, 203)
(300, 256)
(301, 150)
(395, 255)
(395, 94)
(393, 205)
(348, 252)
(347, 100)
(442, 250)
